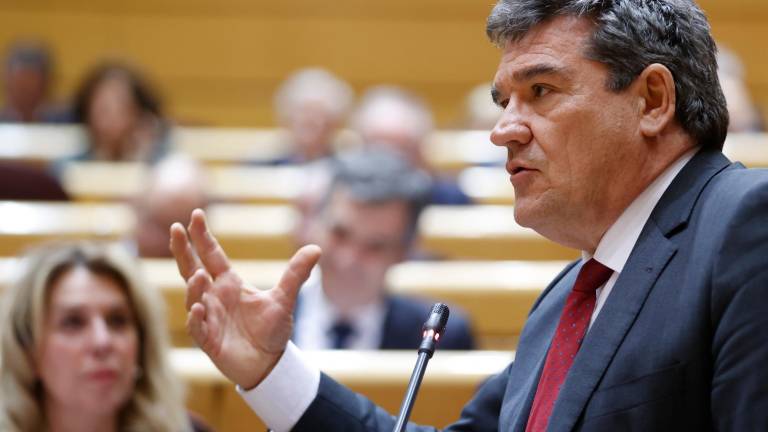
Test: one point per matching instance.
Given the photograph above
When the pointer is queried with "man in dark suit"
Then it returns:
(613, 122)
(366, 223)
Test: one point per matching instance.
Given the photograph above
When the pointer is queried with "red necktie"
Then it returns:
(566, 342)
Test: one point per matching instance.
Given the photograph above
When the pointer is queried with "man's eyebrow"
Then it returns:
(539, 69)
(529, 73)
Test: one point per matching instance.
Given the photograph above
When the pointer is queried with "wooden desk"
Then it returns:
(25, 223)
(254, 231)
(449, 383)
(238, 145)
(228, 145)
(484, 232)
(452, 151)
(487, 185)
(119, 181)
(245, 231)
(40, 144)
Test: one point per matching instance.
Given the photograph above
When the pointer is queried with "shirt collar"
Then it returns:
(617, 243)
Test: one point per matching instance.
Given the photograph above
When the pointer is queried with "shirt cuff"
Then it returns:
(285, 394)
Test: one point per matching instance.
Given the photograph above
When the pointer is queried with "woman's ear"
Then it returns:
(657, 92)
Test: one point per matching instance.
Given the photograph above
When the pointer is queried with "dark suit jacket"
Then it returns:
(681, 343)
(402, 325)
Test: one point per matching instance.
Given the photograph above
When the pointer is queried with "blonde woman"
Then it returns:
(83, 347)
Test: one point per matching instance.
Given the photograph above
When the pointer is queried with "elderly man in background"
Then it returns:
(393, 118)
(311, 105)
(613, 121)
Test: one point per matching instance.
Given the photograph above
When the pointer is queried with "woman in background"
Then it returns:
(122, 115)
(83, 347)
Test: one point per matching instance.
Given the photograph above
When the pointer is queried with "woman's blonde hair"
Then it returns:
(157, 400)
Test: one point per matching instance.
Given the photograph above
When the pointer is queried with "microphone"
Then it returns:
(432, 330)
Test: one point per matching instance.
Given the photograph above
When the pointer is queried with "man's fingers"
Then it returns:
(183, 252)
(197, 285)
(299, 268)
(196, 326)
(208, 249)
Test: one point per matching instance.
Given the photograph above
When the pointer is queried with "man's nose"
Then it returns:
(512, 127)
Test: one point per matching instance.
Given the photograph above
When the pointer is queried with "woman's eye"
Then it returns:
(118, 321)
(72, 322)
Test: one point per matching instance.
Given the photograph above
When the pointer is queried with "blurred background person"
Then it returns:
(176, 186)
(311, 105)
(28, 78)
(367, 223)
(393, 118)
(122, 115)
(317, 178)
(742, 111)
(83, 346)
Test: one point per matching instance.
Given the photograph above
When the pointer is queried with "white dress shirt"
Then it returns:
(283, 397)
(317, 315)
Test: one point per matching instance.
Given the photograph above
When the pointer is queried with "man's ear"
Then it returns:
(656, 88)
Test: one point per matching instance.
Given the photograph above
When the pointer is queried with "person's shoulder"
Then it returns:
(737, 182)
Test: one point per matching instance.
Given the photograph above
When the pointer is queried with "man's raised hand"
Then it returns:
(243, 330)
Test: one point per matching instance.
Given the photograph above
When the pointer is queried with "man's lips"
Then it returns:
(515, 168)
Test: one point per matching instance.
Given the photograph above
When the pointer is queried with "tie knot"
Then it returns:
(592, 276)
(340, 333)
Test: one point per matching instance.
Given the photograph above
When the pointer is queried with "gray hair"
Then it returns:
(629, 36)
(377, 175)
(315, 85)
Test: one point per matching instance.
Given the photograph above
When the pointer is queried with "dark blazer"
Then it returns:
(681, 343)
(404, 318)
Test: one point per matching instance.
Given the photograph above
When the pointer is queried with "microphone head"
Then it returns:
(438, 318)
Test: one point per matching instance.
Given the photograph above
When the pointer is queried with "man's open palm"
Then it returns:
(243, 330)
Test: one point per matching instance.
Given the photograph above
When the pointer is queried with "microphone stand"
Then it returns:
(432, 330)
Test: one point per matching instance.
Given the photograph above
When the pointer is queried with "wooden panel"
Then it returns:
(449, 383)
(254, 231)
(232, 64)
(220, 61)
